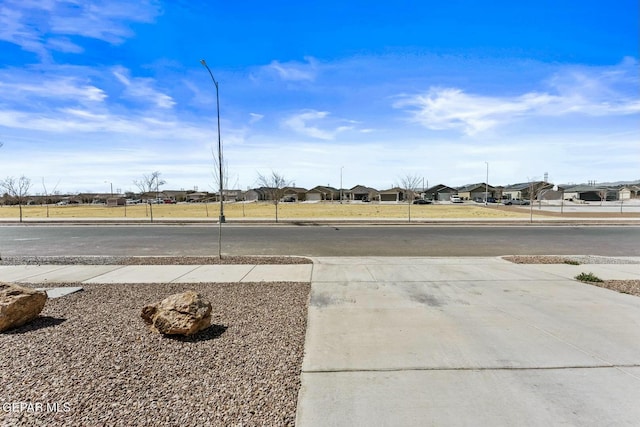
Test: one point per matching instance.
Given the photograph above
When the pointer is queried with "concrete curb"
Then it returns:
(319, 222)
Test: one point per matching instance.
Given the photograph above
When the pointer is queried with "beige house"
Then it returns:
(320, 193)
(395, 194)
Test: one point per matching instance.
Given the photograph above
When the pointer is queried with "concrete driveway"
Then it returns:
(468, 342)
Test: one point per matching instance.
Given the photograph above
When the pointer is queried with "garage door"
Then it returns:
(314, 197)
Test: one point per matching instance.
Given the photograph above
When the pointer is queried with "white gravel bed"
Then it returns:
(90, 360)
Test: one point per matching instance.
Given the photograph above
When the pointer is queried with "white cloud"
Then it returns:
(63, 44)
(29, 86)
(255, 117)
(38, 26)
(294, 71)
(141, 89)
(581, 92)
(300, 124)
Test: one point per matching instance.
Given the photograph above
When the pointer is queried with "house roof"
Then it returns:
(296, 189)
(393, 190)
(471, 187)
(324, 189)
(440, 188)
(584, 188)
(517, 187)
(362, 189)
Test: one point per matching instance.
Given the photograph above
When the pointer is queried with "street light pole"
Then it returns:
(486, 186)
(341, 167)
(221, 219)
(111, 185)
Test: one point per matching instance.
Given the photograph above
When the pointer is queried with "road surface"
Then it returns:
(418, 240)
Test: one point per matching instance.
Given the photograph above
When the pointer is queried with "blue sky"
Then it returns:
(94, 94)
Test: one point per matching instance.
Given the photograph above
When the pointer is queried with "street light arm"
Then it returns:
(204, 63)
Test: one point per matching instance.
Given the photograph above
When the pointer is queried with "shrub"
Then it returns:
(588, 277)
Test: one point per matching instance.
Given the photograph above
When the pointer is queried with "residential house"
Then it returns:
(257, 194)
(395, 194)
(196, 196)
(476, 191)
(228, 195)
(624, 193)
(440, 192)
(529, 191)
(296, 194)
(116, 201)
(591, 193)
(320, 193)
(362, 193)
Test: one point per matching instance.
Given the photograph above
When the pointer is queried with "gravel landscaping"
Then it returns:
(631, 287)
(90, 359)
(569, 259)
(151, 260)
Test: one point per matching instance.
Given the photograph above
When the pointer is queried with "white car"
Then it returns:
(455, 199)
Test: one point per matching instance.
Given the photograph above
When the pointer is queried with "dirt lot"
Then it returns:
(267, 210)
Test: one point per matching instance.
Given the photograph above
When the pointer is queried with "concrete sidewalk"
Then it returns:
(50, 277)
(468, 342)
(51, 274)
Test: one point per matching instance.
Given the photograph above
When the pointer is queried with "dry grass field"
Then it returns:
(267, 211)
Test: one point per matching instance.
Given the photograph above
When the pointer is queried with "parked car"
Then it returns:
(422, 202)
(481, 200)
(169, 202)
(516, 202)
(455, 199)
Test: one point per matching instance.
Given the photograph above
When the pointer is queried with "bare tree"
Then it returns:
(410, 183)
(216, 171)
(274, 184)
(602, 193)
(150, 183)
(47, 195)
(17, 189)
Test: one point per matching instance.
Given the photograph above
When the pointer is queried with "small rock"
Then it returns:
(183, 314)
(19, 305)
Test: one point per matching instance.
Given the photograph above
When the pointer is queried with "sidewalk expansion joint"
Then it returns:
(184, 274)
(248, 272)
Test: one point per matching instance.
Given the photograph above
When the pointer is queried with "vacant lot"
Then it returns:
(263, 210)
(266, 210)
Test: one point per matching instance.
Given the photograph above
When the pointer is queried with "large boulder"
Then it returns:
(19, 305)
(183, 314)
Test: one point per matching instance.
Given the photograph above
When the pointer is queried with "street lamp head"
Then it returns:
(203, 62)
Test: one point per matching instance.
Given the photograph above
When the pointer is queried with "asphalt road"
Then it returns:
(130, 240)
